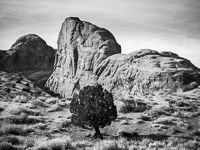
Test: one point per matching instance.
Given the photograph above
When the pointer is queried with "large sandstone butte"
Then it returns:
(88, 54)
(29, 56)
(82, 46)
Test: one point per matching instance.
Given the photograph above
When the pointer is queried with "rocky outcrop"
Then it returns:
(82, 46)
(13, 85)
(88, 54)
(146, 71)
(29, 55)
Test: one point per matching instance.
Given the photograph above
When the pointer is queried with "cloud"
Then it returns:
(157, 24)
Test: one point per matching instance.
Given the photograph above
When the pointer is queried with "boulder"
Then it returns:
(88, 55)
(28, 55)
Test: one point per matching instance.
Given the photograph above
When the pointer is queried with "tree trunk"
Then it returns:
(97, 133)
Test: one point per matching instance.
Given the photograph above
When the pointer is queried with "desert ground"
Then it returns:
(30, 118)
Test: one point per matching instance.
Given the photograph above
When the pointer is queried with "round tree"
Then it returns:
(93, 106)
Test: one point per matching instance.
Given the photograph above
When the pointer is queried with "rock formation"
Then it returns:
(30, 56)
(82, 46)
(146, 71)
(88, 54)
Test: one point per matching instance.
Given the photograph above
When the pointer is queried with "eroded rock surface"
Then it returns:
(13, 85)
(88, 54)
(82, 46)
(146, 71)
(30, 56)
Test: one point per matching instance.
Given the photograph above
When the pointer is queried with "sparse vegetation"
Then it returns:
(24, 119)
(154, 113)
(147, 144)
(27, 111)
(63, 143)
(12, 139)
(6, 146)
(20, 99)
(127, 134)
(191, 86)
(131, 107)
(55, 108)
(66, 123)
(1, 109)
(39, 103)
(12, 129)
(41, 122)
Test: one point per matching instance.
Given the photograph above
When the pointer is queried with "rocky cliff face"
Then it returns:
(82, 46)
(88, 54)
(29, 55)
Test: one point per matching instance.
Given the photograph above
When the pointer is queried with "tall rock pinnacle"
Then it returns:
(82, 46)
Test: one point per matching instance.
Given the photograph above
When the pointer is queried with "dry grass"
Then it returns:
(60, 143)
(55, 108)
(6, 146)
(12, 139)
(148, 144)
(39, 103)
(1, 109)
(28, 111)
(154, 113)
(66, 123)
(20, 99)
(111, 145)
(131, 107)
(12, 129)
(24, 119)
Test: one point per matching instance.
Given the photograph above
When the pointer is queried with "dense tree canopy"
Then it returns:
(93, 106)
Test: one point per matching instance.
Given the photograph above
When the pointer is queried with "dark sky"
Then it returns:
(163, 25)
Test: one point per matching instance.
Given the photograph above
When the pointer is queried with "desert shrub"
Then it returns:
(6, 146)
(95, 107)
(1, 109)
(196, 132)
(111, 145)
(148, 144)
(165, 120)
(130, 107)
(39, 103)
(127, 134)
(182, 114)
(20, 99)
(12, 139)
(12, 129)
(182, 104)
(55, 108)
(29, 142)
(23, 118)
(20, 110)
(186, 106)
(64, 104)
(66, 123)
(189, 87)
(60, 143)
(145, 117)
(82, 144)
(154, 113)
(168, 120)
(52, 100)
